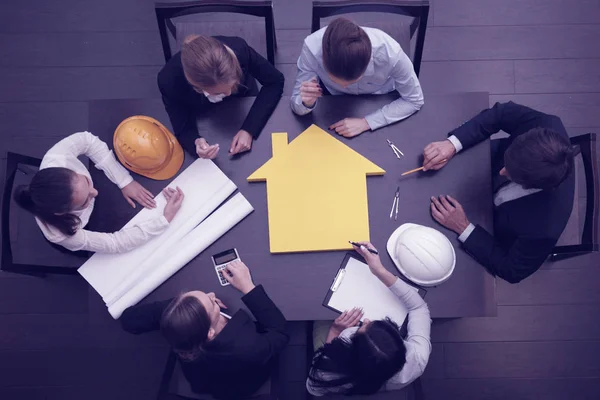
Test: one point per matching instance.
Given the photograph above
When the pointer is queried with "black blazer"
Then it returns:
(183, 103)
(525, 229)
(239, 359)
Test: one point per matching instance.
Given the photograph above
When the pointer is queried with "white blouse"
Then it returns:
(64, 154)
(417, 342)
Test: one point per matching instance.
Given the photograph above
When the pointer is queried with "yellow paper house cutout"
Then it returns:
(316, 193)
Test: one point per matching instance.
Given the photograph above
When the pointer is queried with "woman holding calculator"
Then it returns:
(215, 349)
(374, 356)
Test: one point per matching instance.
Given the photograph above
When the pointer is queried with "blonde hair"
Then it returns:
(208, 62)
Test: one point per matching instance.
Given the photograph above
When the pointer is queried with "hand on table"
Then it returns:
(350, 127)
(238, 274)
(242, 142)
(174, 200)
(204, 150)
(310, 91)
(449, 213)
(135, 191)
(437, 154)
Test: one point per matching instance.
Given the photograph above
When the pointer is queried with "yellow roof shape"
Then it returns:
(315, 150)
(316, 192)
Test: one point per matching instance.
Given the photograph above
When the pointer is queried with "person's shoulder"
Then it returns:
(171, 76)
(314, 41)
(381, 42)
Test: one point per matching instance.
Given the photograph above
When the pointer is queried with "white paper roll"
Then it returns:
(205, 186)
(163, 249)
(195, 242)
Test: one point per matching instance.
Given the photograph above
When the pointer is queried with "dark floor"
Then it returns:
(56, 55)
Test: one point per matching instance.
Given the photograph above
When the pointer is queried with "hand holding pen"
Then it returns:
(370, 254)
(366, 249)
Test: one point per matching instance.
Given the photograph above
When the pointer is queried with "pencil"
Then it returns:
(421, 168)
(413, 170)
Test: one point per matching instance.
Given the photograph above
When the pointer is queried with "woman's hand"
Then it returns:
(238, 275)
(242, 142)
(174, 200)
(310, 91)
(373, 260)
(347, 319)
(135, 191)
(204, 150)
(375, 265)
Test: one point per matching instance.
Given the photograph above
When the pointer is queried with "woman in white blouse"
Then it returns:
(61, 196)
(375, 356)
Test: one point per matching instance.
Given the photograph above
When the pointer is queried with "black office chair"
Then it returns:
(251, 31)
(589, 235)
(403, 34)
(24, 247)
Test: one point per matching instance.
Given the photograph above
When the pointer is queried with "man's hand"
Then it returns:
(204, 150)
(437, 154)
(135, 191)
(449, 213)
(350, 127)
(242, 142)
(310, 91)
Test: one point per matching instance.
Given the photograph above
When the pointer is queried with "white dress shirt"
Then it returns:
(506, 193)
(389, 69)
(64, 154)
(417, 342)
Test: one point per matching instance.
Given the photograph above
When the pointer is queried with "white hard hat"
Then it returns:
(423, 255)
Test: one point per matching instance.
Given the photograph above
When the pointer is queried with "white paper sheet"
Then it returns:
(360, 288)
(222, 220)
(205, 187)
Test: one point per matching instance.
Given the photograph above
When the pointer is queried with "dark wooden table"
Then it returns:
(298, 282)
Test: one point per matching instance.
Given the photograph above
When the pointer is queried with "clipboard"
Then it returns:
(355, 286)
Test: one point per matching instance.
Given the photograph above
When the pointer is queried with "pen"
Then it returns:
(372, 251)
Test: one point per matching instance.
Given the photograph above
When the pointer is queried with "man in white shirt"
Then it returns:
(348, 59)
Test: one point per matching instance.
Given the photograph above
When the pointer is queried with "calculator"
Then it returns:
(221, 260)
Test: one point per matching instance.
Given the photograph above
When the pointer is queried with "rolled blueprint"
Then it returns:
(204, 185)
(195, 242)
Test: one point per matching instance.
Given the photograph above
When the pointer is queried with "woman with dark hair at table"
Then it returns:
(228, 357)
(363, 360)
(61, 195)
(207, 70)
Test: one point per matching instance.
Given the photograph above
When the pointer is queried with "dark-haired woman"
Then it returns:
(363, 360)
(207, 70)
(61, 196)
(228, 357)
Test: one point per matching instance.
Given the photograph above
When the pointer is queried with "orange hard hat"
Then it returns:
(146, 147)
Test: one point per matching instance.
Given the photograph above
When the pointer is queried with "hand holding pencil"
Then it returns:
(437, 154)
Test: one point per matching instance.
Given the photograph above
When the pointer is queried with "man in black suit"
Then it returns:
(533, 182)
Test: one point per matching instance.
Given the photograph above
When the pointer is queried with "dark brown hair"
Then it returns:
(362, 365)
(539, 159)
(207, 62)
(185, 324)
(346, 49)
(49, 196)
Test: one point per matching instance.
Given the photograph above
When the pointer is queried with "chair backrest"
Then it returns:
(20, 233)
(165, 12)
(417, 9)
(589, 235)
